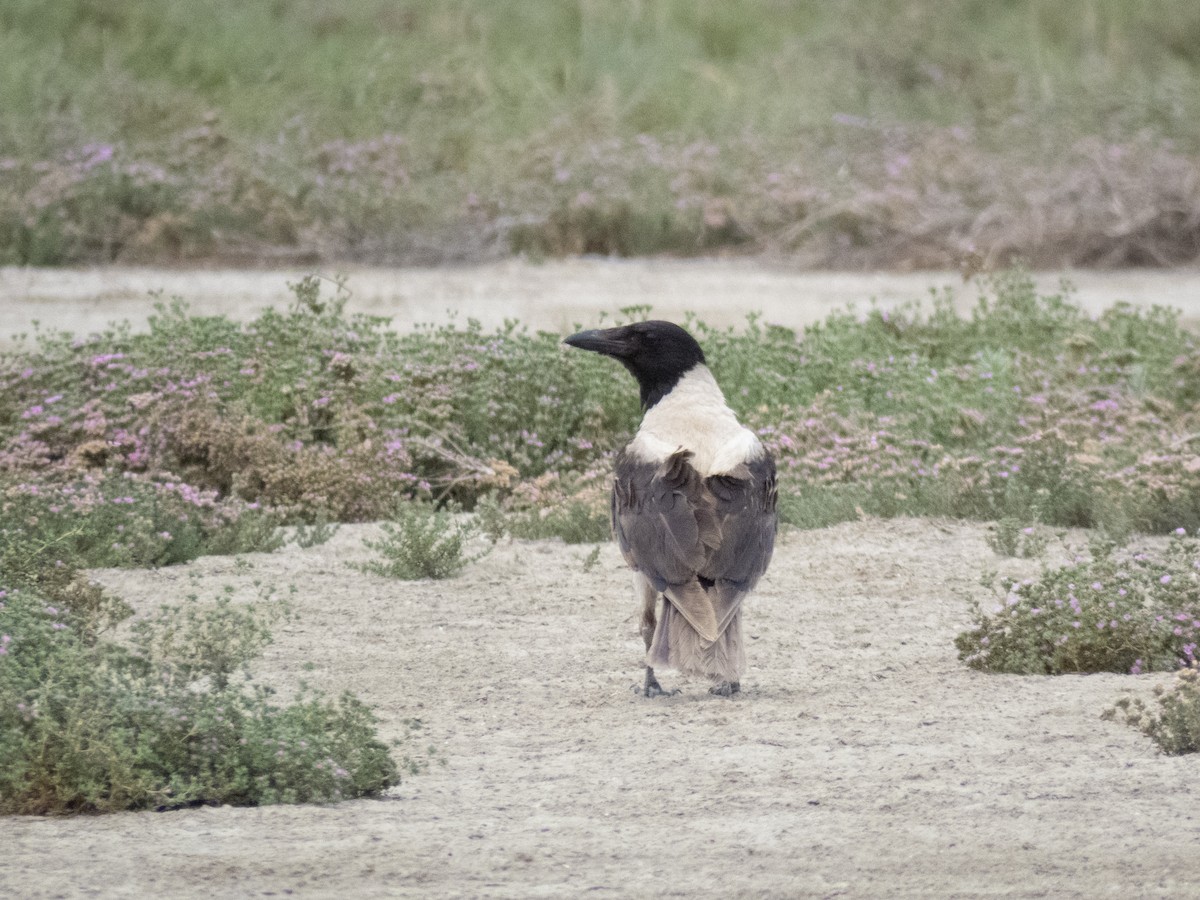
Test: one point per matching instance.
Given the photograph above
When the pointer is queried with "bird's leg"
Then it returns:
(726, 688)
(652, 688)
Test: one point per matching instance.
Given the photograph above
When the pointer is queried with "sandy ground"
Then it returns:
(862, 759)
(552, 296)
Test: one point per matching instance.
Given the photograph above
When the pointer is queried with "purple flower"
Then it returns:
(97, 154)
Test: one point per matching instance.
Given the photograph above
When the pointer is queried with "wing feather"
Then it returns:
(703, 542)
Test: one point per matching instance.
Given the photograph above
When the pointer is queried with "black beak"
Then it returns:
(607, 341)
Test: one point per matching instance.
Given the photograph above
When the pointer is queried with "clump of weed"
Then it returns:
(320, 531)
(420, 541)
(169, 718)
(1118, 612)
(1175, 724)
(1010, 537)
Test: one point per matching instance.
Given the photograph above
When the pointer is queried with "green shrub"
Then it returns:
(1175, 724)
(422, 542)
(169, 719)
(1118, 612)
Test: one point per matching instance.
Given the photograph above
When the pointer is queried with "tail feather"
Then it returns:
(696, 605)
(677, 645)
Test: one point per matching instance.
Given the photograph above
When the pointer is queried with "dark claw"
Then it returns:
(725, 688)
(654, 690)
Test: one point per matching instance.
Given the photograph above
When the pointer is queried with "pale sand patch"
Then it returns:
(554, 296)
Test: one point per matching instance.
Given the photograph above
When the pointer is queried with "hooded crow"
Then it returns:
(693, 505)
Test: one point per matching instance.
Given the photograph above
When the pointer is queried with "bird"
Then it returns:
(693, 506)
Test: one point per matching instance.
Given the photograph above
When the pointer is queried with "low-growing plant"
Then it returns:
(592, 559)
(575, 520)
(420, 541)
(1010, 537)
(1117, 612)
(321, 531)
(1026, 409)
(167, 719)
(108, 520)
(1175, 724)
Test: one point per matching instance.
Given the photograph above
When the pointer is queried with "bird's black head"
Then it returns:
(656, 353)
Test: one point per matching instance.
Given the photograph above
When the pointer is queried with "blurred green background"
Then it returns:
(840, 133)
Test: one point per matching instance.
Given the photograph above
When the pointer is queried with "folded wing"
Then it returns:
(704, 542)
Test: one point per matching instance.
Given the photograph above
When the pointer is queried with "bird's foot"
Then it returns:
(726, 688)
(656, 690)
(653, 688)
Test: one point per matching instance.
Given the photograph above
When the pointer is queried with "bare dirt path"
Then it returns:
(862, 760)
(552, 296)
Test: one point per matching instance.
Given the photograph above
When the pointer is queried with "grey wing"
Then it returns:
(744, 502)
(664, 523)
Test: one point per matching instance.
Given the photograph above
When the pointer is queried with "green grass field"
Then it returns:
(838, 133)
